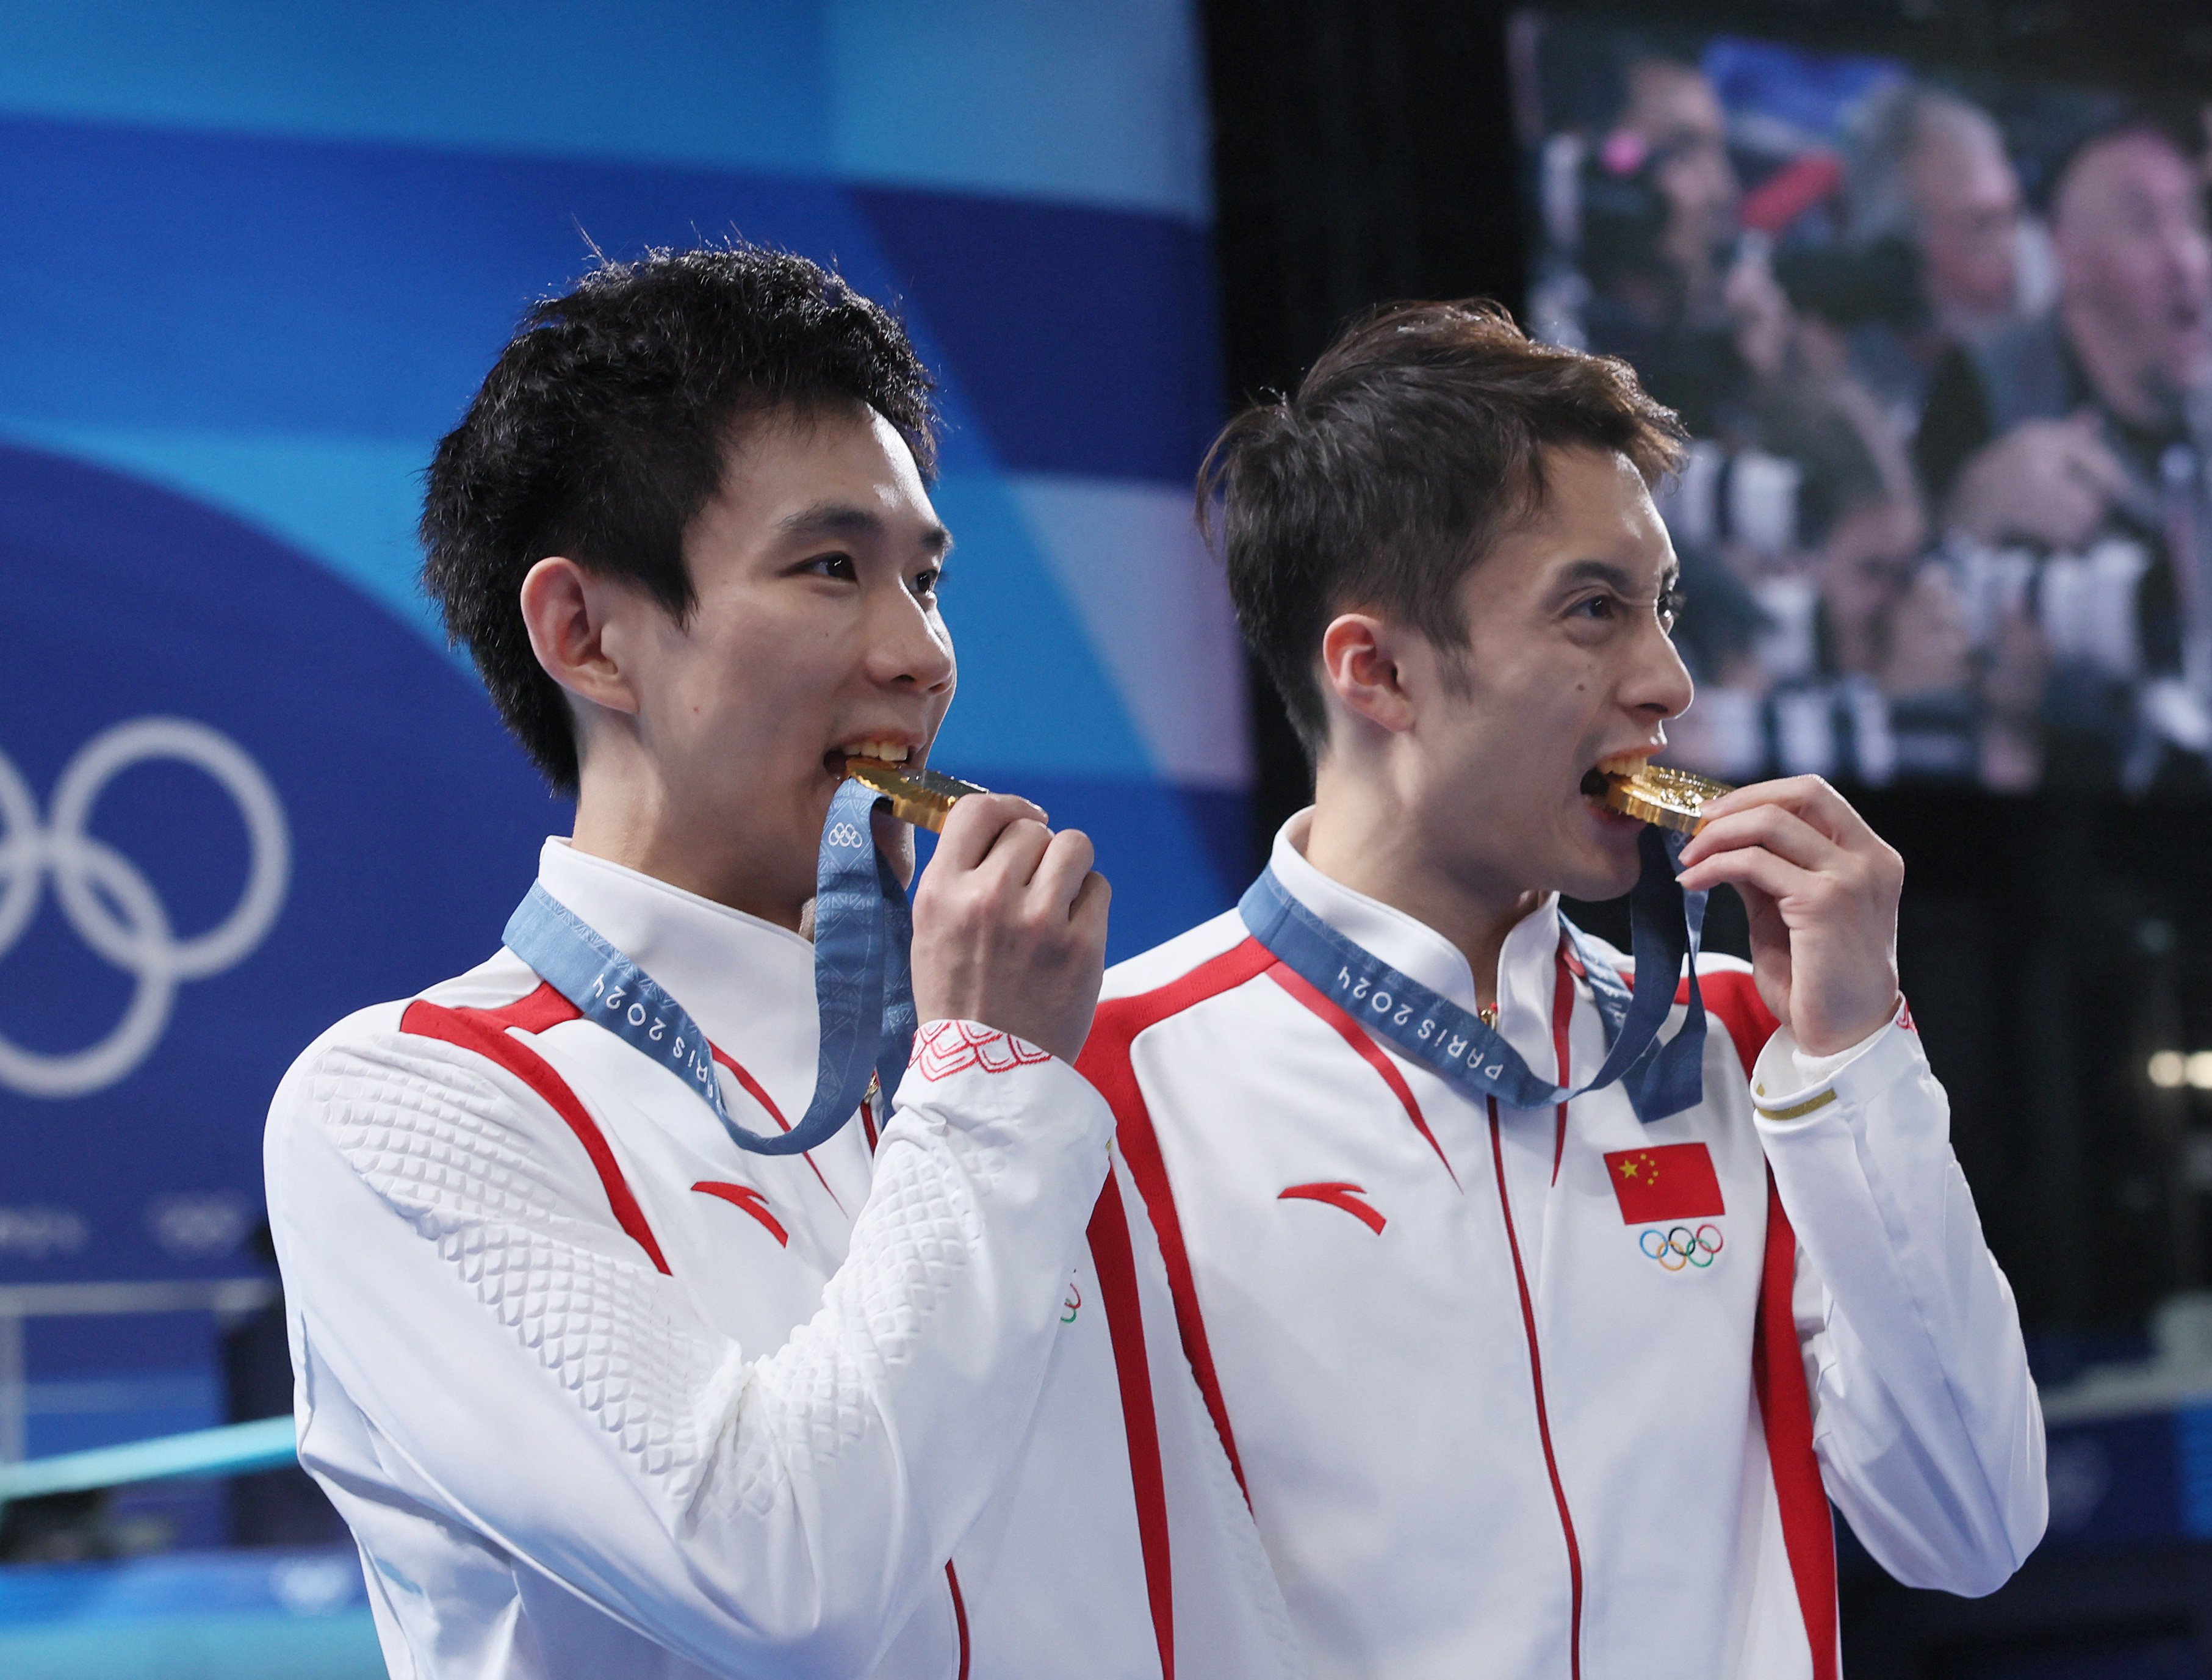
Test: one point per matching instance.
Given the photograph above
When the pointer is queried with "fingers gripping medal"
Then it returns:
(863, 931)
(1660, 1078)
(863, 986)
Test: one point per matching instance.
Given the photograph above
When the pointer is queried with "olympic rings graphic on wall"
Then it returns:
(112, 905)
(1681, 1246)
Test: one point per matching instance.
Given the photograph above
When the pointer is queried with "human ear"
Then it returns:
(1359, 664)
(565, 610)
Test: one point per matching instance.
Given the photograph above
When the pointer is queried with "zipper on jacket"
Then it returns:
(1543, 1418)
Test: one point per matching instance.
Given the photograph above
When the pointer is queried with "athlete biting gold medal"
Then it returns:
(924, 797)
(1671, 798)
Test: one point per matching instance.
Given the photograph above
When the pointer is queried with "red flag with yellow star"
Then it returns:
(1665, 1181)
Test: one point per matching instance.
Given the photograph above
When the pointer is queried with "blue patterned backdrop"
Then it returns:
(256, 257)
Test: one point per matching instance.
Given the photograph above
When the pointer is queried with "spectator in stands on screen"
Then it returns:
(1940, 250)
(2056, 425)
(1889, 690)
(1671, 292)
(2072, 434)
(1935, 173)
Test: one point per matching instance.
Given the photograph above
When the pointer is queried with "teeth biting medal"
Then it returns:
(1670, 798)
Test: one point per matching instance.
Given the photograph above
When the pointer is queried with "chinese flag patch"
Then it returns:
(1667, 1181)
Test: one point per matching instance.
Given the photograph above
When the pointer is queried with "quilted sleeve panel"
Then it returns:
(449, 1252)
(451, 1156)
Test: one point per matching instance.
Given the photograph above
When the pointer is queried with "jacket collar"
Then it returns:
(1527, 978)
(749, 983)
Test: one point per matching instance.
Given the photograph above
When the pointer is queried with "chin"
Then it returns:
(1595, 879)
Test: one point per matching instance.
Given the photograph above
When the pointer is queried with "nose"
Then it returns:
(1658, 686)
(908, 646)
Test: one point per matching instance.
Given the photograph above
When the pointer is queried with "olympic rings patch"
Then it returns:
(1681, 1247)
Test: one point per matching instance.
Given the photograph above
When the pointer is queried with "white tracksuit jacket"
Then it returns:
(601, 1394)
(1506, 1404)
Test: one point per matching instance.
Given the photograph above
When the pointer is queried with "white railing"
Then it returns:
(230, 1300)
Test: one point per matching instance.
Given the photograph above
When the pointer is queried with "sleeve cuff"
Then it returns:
(1788, 1083)
(941, 1049)
(986, 1078)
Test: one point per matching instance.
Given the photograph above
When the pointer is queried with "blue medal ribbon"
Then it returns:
(1659, 1080)
(863, 987)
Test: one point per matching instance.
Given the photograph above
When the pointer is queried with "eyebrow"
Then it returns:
(850, 520)
(1615, 578)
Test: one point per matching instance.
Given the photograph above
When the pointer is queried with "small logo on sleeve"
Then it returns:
(1664, 1182)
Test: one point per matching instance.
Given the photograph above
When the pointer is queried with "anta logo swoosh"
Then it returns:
(1338, 1194)
(745, 1196)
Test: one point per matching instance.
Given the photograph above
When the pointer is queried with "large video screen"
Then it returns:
(1945, 345)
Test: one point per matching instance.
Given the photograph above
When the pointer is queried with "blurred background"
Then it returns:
(1930, 280)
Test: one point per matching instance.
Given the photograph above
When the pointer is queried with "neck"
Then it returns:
(2125, 385)
(627, 814)
(1363, 838)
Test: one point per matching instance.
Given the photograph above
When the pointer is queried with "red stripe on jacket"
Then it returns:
(1106, 1062)
(1778, 1370)
(485, 1031)
(1348, 1028)
(1114, 1258)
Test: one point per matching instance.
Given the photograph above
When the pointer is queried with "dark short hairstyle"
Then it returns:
(1415, 442)
(605, 428)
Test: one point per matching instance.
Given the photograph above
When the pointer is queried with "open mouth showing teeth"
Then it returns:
(888, 752)
(1609, 772)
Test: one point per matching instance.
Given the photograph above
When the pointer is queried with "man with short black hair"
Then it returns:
(620, 1350)
(2074, 449)
(1539, 1338)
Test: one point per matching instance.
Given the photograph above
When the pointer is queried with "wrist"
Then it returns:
(1837, 1039)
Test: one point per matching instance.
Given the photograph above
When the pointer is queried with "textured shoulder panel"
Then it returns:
(1185, 951)
(511, 1204)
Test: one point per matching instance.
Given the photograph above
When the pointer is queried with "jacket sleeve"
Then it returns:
(449, 1253)
(1925, 1420)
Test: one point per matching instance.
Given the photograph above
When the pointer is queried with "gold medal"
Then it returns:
(922, 797)
(1671, 798)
